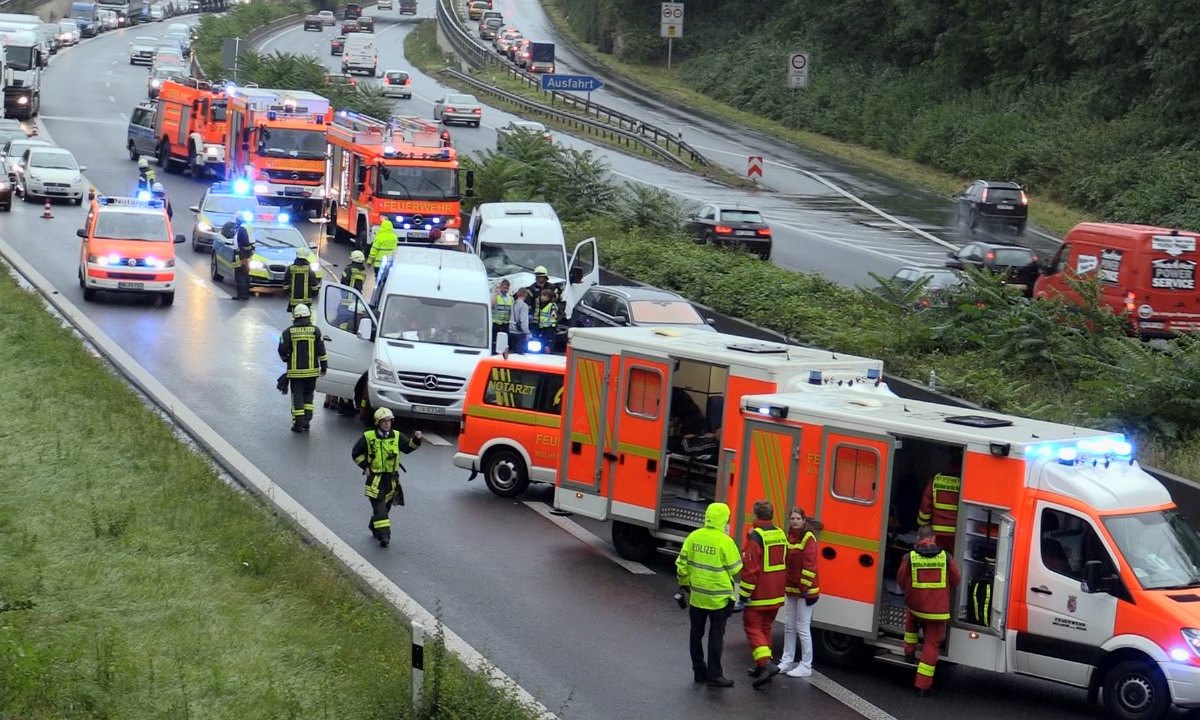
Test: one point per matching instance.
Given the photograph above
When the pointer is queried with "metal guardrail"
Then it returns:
(577, 122)
(478, 56)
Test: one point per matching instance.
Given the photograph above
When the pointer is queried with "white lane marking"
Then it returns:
(93, 121)
(849, 698)
(111, 99)
(435, 439)
(266, 43)
(588, 538)
(124, 117)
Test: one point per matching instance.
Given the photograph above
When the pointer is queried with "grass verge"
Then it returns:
(135, 584)
(1051, 216)
(421, 49)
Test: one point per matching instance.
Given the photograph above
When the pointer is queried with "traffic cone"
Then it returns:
(46, 214)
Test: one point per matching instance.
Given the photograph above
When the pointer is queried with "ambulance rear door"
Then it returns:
(586, 431)
(769, 468)
(853, 505)
(635, 460)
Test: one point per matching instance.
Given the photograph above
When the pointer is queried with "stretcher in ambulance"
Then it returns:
(1086, 572)
(649, 414)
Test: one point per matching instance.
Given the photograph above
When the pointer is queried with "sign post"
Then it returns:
(798, 68)
(672, 25)
(231, 48)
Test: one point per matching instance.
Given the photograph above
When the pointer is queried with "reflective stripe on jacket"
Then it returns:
(939, 504)
(764, 567)
(303, 349)
(502, 306)
(548, 315)
(928, 575)
(708, 562)
(802, 566)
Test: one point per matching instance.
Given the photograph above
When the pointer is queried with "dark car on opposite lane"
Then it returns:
(1018, 264)
(732, 226)
(623, 306)
(992, 203)
(337, 46)
(938, 281)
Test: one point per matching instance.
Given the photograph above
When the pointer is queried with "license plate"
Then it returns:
(1004, 207)
(290, 190)
(429, 410)
(744, 233)
(416, 233)
(55, 191)
(131, 286)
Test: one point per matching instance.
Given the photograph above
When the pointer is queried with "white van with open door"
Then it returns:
(415, 343)
(514, 238)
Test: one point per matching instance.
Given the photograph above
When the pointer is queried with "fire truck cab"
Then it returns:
(276, 140)
(401, 170)
(1076, 566)
(651, 417)
(190, 123)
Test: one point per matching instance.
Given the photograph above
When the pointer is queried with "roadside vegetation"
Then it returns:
(135, 584)
(1090, 104)
(986, 343)
(279, 70)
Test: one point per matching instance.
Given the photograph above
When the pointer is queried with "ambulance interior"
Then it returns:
(695, 411)
(915, 463)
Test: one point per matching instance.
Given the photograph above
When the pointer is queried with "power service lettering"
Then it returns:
(1174, 275)
(1110, 266)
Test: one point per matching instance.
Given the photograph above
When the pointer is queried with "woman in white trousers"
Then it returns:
(803, 592)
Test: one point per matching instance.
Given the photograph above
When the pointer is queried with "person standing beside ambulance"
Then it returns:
(939, 505)
(706, 568)
(803, 591)
(928, 577)
(762, 588)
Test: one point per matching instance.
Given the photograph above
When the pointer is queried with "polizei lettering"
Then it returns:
(1174, 275)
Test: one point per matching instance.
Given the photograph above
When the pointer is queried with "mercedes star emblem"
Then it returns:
(131, 262)
(295, 176)
(431, 382)
(418, 220)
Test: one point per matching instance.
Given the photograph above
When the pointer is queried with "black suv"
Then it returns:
(1019, 264)
(992, 202)
(353, 11)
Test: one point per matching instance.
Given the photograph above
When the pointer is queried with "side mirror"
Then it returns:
(195, 208)
(180, 239)
(364, 329)
(1092, 582)
(81, 233)
(710, 321)
(621, 319)
(82, 168)
(501, 342)
(576, 275)
(439, 101)
(470, 183)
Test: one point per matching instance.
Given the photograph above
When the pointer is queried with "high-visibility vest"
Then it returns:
(936, 564)
(944, 517)
(705, 566)
(300, 282)
(502, 309)
(354, 276)
(548, 317)
(771, 538)
(383, 453)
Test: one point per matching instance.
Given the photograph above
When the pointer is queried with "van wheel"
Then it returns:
(633, 542)
(839, 649)
(505, 473)
(168, 299)
(1136, 690)
(133, 153)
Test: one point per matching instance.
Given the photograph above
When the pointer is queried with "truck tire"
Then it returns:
(164, 151)
(360, 237)
(133, 153)
(504, 472)
(839, 649)
(1136, 690)
(633, 542)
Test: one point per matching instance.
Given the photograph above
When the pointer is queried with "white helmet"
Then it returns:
(357, 256)
(158, 189)
(143, 163)
(540, 270)
(383, 414)
(301, 311)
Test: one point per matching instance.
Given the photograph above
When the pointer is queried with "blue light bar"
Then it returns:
(241, 187)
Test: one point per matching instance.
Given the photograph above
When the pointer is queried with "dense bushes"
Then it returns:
(1088, 103)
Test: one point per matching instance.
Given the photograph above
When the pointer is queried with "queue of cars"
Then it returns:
(507, 40)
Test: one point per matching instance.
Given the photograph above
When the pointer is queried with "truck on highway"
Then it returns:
(183, 129)
(23, 74)
(398, 170)
(129, 12)
(275, 139)
(46, 35)
(87, 16)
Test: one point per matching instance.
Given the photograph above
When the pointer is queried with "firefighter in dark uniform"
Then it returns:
(244, 251)
(928, 576)
(377, 452)
(541, 281)
(302, 280)
(354, 276)
(146, 175)
(303, 349)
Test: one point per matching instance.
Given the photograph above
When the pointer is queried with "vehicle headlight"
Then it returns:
(23, 100)
(155, 82)
(212, 151)
(203, 226)
(1191, 637)
(382, 373)
(156, 263)
(257, 265)
(261, 188)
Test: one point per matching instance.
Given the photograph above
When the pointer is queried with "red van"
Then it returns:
(1148, 273)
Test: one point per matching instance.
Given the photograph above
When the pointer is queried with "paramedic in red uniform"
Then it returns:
(939, 506)
(762, 588)
(928, 576)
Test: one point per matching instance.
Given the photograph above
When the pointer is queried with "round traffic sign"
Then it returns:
(678, 13)
(799, 61)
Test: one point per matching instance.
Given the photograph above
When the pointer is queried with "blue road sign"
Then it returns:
(571, 83)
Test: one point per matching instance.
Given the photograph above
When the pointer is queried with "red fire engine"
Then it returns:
(403, 170)
(191, 123)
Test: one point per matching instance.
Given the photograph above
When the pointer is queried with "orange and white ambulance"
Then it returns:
(1085, 571)
(649, 412)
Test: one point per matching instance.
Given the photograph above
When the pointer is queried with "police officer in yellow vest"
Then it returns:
(502, 309)
(302, 281)
(706, 569)
(377, 452)
(303, 349)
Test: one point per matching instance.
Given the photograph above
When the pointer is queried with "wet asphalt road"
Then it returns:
(589, 637)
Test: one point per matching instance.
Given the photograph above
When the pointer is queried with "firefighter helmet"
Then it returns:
(540, 270)
(143, 163)
(301, 311)
(383, 414)
(357, 256)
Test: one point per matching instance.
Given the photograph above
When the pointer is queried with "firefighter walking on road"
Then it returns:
(146, 175)
(377, 452)
(706, 569)
(302, 280)
(928, 576)
(762, 588)
(303, 349)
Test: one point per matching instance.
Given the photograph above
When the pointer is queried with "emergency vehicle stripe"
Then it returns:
(521, 417)
(768, 468)
(850, 541)
(589, 372)
(639, 450)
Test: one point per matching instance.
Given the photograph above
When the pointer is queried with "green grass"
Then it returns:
(422, 50)
(152, 590)
(1044, 213)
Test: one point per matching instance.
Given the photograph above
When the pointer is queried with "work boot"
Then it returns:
(769, 671)
(297, 427)
(720, 682)
(910, 658)
(754, 671)
(699, 674)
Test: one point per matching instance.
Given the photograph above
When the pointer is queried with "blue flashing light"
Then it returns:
(271, 115)
(872, 373)
(1067, 454)
(143, 195)
(241, 187)
(534, 346)
(284, 217)
(247, 215)
(399, 218)
(1123, 449)
(389, 150)
(814, 377)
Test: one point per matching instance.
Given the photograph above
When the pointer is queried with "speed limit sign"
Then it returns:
(798, 66)
(672, 20)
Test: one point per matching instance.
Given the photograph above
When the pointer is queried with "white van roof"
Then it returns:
(519, 222)
(433, 273)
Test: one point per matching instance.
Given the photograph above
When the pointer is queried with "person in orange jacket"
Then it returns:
(803, 591)
(939, 505)
(928, 576)
(761, 590)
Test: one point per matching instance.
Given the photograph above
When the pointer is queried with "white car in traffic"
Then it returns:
(50, 172)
